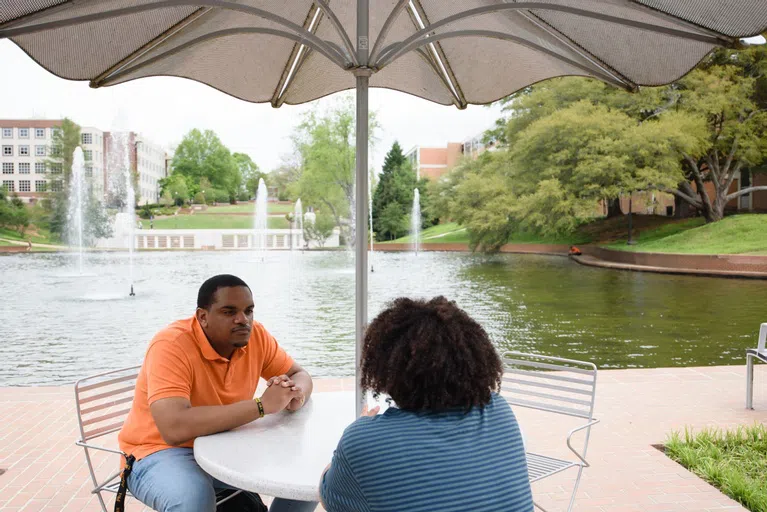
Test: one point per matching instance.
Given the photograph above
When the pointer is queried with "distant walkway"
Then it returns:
(547, 249)
(25, 244)
(722, 265)
(638, 408)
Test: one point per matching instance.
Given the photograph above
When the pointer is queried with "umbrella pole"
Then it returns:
(362, 75)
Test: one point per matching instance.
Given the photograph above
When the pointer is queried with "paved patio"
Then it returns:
(46, 472)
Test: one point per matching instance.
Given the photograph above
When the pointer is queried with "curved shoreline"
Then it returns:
(710, 265)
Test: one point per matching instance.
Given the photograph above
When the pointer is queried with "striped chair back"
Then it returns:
(552, 384)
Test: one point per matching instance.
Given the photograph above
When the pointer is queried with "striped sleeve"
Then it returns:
(339, 489)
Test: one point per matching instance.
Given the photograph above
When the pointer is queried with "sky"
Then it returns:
(163, 109)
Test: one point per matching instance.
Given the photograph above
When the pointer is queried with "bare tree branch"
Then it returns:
(713, 167)
(731, 178)
(744, 191)
(685, 197)
(728, 162)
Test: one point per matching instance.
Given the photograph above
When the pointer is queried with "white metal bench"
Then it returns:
(755, 354)
(554, 385)
(103, 402)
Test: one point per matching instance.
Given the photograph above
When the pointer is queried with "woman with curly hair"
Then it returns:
(451, 443)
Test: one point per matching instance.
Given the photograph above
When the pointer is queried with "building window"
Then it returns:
(57, 168)
(87, 138)
(56, 186)
(23, 133)
(7, 133)
(23, 150)
(88, 154)
(7, 167)
(25, 186)
(39, 167)
(8, 186)
(39, 150)
(55, 151)
(7, 150)
(25, 168)
(39, 133)
(41, 186)
(88, 171)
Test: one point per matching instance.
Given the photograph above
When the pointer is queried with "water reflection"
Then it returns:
(58, 327)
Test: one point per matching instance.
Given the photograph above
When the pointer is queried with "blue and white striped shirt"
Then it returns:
(403, 461)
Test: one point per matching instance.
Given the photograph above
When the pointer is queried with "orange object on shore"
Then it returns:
(574, 251)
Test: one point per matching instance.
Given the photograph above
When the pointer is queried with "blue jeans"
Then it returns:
(171, 481)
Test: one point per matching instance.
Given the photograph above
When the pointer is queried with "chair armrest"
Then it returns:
(102, 448)
(570, 435)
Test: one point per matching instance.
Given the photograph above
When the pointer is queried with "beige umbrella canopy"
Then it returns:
(448, 51)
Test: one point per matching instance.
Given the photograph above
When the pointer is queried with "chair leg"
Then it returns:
(575, 489)
(749, 381)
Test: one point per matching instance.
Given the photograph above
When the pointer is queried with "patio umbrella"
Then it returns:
(453, 52)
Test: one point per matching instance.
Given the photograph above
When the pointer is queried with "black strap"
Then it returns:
(123, 489)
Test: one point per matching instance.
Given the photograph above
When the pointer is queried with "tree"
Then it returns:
(729, 91)
(203, 155)
(562, 164)
(176, 186)
(393, 222)
(285, 178)
(319, 230)
(13, 212)
(326, 145)
(250, 173)
(97, 223)
(66, 138)
(397, 184)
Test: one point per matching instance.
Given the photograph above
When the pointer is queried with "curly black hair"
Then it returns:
(429, 356)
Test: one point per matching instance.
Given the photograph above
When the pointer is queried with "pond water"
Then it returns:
(57, 326)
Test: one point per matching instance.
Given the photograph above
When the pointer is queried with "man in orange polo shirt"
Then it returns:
(199, 377)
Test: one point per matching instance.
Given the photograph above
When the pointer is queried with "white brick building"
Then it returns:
(24, 148)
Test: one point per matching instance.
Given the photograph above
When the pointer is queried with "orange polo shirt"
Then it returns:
(180, 362)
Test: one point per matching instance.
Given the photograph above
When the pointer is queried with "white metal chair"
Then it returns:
(103, 402)
(554, 385)
(759, 354)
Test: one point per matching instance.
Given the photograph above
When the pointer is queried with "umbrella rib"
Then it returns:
(394, 48)
(143, 50)
(441, 65)
(208, 37)
(430, 61)
(223, 4)
(571, 45)
(323, 4)
(508, 37)
(297, 57)
(393, 15)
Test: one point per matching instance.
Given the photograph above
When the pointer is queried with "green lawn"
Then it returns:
(454, 233)
(738, 234)
(41, 236)
(248, 208)
(198, 221)
(734, 461)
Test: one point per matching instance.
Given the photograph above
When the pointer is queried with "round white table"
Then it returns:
(281, 455)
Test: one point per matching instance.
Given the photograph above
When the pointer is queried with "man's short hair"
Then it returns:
(207, 294)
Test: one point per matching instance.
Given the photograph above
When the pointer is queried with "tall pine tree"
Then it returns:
(387, 190)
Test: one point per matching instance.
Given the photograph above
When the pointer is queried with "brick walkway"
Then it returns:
(46, 472)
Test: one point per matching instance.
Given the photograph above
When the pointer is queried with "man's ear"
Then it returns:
(202, 316)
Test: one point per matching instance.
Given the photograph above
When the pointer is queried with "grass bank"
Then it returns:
(249, 207)
(202, 221)
(734, 461)
(737, 234)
